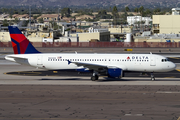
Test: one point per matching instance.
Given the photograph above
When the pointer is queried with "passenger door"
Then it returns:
(152, 61)
(39, 60)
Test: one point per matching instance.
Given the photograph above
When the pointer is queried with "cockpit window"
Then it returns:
(164, 60)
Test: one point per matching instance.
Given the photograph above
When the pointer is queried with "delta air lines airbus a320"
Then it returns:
(111, 65)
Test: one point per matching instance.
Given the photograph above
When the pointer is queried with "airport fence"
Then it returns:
(102, 44)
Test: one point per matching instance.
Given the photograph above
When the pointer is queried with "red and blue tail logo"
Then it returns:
(20, 43)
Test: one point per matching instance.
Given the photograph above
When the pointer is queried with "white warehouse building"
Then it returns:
(134, 19)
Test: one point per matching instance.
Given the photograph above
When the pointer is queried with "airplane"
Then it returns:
(111, 65)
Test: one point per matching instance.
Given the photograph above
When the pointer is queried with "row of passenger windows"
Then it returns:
(79, 60)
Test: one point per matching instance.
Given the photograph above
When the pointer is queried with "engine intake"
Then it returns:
(115, 72)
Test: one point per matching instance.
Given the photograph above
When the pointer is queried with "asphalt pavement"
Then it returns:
(28, 93)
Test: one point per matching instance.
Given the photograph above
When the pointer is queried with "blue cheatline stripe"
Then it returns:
(18, 46)
(14, 30)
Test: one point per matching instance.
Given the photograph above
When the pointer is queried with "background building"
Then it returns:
(167, 24)
(137, 19)
(93, 35)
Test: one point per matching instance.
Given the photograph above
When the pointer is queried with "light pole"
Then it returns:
(58, 17)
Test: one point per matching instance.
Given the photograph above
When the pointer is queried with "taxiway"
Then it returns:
(28, 94)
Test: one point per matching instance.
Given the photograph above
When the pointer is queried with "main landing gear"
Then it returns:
(152, 77)
(94, 76)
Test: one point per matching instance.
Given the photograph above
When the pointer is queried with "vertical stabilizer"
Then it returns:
(20, 43)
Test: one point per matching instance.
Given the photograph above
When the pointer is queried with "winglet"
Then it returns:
(20, 43)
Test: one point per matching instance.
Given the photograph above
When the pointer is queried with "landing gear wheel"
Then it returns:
(152, 77)
(94, 78)
(120, 77)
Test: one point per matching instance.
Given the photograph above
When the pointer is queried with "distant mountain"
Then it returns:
(66, 3)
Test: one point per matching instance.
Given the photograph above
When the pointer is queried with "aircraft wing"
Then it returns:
(91, 66)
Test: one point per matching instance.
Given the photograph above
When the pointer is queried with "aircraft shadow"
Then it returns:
(78, 77)
(63, 79)
(138, 79)
(107, 79)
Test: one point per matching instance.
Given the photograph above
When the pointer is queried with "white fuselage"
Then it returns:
(127, 62)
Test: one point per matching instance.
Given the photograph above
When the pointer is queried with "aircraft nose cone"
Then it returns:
(175, 66)
(172, 66)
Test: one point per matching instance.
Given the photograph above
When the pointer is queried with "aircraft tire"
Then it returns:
(94, 78)
(153, 78)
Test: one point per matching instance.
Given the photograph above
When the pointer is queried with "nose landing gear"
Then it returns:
(152, 77)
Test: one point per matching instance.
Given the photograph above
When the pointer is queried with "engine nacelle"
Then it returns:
(115, 72)
(82, 70)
